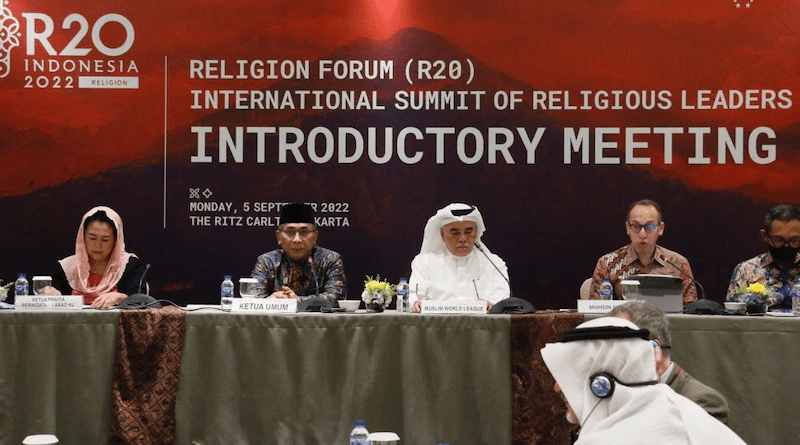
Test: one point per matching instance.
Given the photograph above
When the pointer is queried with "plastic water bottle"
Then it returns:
(402, 295)
(795, 294)
(21, 285)
(606, 290)
(360, 435)
(226, 294)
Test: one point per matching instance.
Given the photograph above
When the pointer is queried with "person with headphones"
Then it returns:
(606, 373)
(647, 316)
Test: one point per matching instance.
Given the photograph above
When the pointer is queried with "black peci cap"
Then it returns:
(297, 212)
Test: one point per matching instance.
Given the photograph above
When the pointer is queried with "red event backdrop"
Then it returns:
(196, 120)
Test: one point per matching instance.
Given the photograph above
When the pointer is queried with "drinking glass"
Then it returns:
(39, 283)
(247, 287)
(630, 289)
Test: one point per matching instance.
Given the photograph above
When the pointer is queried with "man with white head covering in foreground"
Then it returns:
(448, 268)
(606, 373)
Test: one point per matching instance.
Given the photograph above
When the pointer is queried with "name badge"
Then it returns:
(452, 307)
(48, 302)
(265, 305)
(598, 306)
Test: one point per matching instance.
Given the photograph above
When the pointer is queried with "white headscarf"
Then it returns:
(652, 413)
(432, 241)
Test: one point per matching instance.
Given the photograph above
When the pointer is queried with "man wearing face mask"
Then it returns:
(779, 268)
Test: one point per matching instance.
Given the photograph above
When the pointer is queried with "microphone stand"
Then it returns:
(680, 269)
(141, 280)
(480, 249)
(314, 273)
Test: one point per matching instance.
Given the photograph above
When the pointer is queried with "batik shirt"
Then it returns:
(761, 269)
(273, 270)
(621, 263)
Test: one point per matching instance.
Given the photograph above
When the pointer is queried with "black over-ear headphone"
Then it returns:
(602, 384)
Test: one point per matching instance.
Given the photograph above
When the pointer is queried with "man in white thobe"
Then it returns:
(606, 373)
(453, 264)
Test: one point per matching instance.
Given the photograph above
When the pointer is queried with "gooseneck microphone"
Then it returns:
(141, 280)
(680, 269)
(140, 300)
(480, 249)
(314, 272)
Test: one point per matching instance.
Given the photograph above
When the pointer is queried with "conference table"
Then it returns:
(210, 377)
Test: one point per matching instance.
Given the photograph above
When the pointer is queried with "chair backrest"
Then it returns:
(584, 293)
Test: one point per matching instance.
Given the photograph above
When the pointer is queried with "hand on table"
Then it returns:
(105, 301)
(285, 292)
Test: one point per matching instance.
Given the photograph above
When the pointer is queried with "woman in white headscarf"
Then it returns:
(448, 266)
(100, 270)
(627, 405)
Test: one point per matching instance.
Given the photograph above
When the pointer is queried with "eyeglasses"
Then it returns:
(636, 227)
(291, 233)
(657, 342)
(780, 242)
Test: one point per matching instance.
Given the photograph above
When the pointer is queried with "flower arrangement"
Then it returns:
(756, 294)
(377, 293)
(4, 289)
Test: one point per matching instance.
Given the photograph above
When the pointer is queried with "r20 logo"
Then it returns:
(32, 35)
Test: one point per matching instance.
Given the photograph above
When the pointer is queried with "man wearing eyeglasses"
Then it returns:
(643, 255)
(299, 269)
(649, 317)
(779, 268)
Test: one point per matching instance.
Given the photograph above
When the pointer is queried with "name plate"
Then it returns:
(48, 302)
(452, 307)
(265, 305)
(598, 306)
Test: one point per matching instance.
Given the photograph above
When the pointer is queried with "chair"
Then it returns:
(584, 292)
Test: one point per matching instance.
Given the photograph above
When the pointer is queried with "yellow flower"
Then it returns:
(757, 288)
(375, 285)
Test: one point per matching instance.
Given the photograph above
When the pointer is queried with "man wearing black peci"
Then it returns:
(299, 269)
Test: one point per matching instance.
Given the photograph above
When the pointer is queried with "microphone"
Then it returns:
(316, 303)
(480, 249)
(314, 272)
(141, 280)
(139, 300)
(680, 269)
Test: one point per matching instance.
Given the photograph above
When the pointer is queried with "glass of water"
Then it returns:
(630, 289)
(41, 282)
(247, 287)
